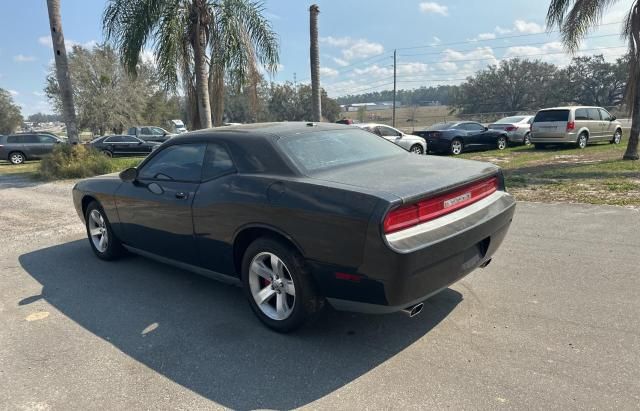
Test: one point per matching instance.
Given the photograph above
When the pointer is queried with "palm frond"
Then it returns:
(575, 18)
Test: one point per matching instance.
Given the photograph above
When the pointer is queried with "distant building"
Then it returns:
(379, 105)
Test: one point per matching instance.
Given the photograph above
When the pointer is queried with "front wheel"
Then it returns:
(456, 146)
(582, 141)
(617, 137)
(277, 285)
(502, 143)
(103, 242)
(416, 149)
(16, 158)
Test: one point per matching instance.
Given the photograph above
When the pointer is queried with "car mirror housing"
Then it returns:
(129, 175)
(613, 118)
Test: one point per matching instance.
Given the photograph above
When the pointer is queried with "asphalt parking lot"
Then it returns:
(552, 323)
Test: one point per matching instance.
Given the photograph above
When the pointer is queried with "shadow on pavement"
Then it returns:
(202, 334)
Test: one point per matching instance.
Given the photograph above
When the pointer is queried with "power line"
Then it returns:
(494, 39)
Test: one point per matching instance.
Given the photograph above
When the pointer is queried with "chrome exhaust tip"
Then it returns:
(486, 263)
(413, 310)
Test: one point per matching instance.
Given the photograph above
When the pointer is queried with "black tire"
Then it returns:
(540, 146)
(527, 139)
(107, 153)
(307, 303)
(417, 149)
(617, 137)
(582, 141)
(454, 148)
(114, 248)
(502, 142)
(17, 158)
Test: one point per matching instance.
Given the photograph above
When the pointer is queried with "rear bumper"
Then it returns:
(551, 139)
(417, 263)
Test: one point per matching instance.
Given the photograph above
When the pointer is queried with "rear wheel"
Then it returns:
(527, 139)
(101, 237)
(502, 142)
(17, 158)
(617, 137)
(456, 146)
(107, 153)
(277, 285)
(416, 149)
(582, 140)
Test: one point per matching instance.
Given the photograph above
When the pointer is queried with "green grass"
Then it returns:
(595, 175)
(30, 169)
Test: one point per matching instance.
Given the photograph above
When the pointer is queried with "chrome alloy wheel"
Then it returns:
(617, 137)
(98, 231)
(16, 158)
(272, 286)
(456, 147)
(416, 149)
(502, 143)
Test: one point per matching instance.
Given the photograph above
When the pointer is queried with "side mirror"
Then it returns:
(613, 118)
(486, 129)
(129, 175)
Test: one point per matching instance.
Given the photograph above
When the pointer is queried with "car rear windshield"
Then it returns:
(552, 115)
(441, 126)
(322, 150)
(510, 120)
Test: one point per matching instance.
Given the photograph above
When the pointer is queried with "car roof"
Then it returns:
(362, 125)
(569, 108)
(257, 130)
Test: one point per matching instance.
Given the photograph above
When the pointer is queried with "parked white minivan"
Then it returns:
(574, 125)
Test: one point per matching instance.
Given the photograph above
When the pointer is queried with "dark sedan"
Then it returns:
(303, 214)
(457, 137)
(123, 145)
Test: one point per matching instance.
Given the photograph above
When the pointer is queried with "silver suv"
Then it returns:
(575, 125)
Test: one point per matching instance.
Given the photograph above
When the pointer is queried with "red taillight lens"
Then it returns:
(571, 125)
(432, 208)
(510, 128)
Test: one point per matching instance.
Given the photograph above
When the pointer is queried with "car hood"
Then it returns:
(410, 177)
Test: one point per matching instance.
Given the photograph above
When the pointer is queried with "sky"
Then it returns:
(437, 42)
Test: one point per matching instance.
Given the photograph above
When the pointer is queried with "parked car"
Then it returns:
(149, 133)
(575, 125)
(123, 145)
(18, 148)
(301, 214)
(518, 128)
(414, 144)
(457, 137)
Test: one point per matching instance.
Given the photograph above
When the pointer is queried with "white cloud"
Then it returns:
(502, 31)
(328, 72)
(69, 43)
(522, 26)
(486, 36)
(38, 94)
(448, 66)
(13, 92)
(45, 40)
(21, 58)
(436, 41)
(433, 7)
(552, 47)
(340, 61)
(353, 48)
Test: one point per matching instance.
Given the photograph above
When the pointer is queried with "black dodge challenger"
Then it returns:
(302, 214)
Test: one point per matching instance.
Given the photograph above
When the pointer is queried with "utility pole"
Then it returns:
(316, 97)
(394, 88)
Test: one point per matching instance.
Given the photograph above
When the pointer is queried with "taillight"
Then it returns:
(510, 128)
(432, 208)
(571, 125)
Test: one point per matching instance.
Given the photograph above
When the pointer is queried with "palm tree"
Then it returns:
(241, 39)
(575, 18)
(314, 10)
(62, 70)
(196, 40)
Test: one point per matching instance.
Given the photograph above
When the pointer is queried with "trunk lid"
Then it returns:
(411, 178)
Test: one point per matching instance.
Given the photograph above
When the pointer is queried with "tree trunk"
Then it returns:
(632, 146)
(316, 104)
(216, 90)
(62, 70)
(200, 67)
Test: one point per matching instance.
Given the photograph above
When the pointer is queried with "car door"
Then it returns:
(596, 124)
(212, 210)
(132, 146)
(473, 131)
(608, 127)
(47, 144)
(155, 210)
(115, 145)
(391, 134)
(31, 145)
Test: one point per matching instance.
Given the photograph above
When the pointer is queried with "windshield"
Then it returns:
(327, 149)
(510, 120)
(552, 115)
(441, 126)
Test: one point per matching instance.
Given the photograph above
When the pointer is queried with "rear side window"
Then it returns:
(46, 139)
(552, 115)
(581, 114)
(176, 163)
(216, 162)
(13, 140)
(593, 114)
(114, 139)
